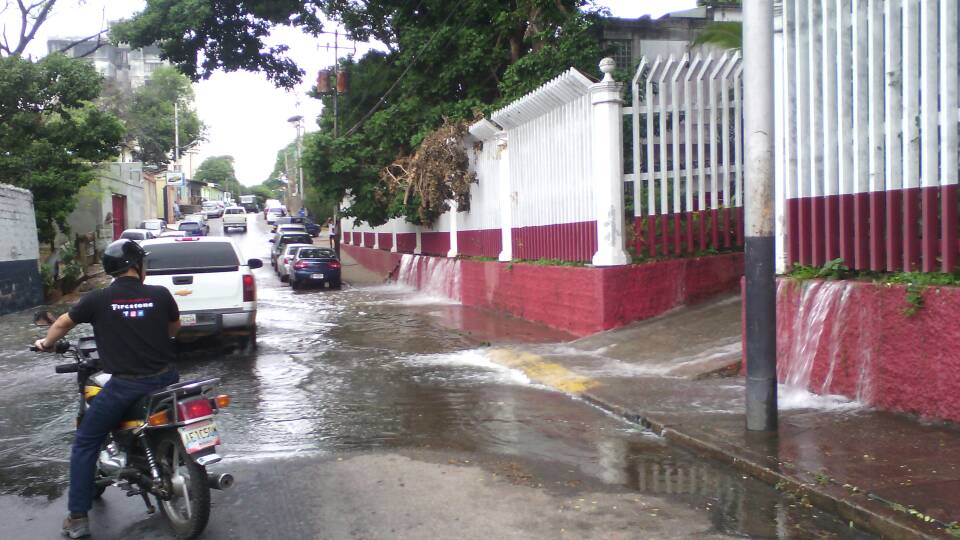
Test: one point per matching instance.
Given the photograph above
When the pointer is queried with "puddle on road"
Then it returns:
(365, 369)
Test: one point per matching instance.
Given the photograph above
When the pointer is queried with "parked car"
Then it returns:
(138, 235)
(234, 217)
(315, 265)
(268, 204)
(313, 229)
(213, 285)
(154, 225)
(286, 258)
(287, 220)
(172, 234)
(212, 209)
(273, 213)
(282, 239)
(194, 228)
(291, 227)
(195, 217)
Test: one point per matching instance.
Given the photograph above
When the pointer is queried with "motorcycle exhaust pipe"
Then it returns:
(220, 481)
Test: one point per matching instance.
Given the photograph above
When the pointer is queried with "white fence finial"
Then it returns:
(607, 66)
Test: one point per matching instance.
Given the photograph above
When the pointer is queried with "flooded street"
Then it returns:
(344, 380)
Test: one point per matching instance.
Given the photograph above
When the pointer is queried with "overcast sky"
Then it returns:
(245, 115)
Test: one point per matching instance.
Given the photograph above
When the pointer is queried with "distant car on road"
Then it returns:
(285, 260)
(273, 213)
(313, 229)
(287, 220)
(291, 227)
(155, 225)
(212, 209)
(234, 217)
(194, 228)
(138, 235)
(212, 284)
(282, 239)
(315, 265)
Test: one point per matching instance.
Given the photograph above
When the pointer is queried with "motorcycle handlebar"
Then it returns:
(67, 368)
(61, 347)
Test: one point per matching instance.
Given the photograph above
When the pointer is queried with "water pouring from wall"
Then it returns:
(433, 276)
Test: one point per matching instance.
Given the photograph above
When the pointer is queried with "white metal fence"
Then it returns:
(687, 153)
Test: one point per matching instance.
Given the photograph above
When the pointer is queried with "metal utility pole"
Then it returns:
(761, 308)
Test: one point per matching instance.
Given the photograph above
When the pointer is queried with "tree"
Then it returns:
(150, 117)
(724, 34)
(51, 133)
(445, 59)
(219, 170)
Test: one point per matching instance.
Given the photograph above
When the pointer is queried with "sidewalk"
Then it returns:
(889, 474)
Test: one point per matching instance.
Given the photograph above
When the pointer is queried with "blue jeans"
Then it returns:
(103, 416)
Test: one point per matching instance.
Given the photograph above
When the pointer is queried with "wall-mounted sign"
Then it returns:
(175, 178)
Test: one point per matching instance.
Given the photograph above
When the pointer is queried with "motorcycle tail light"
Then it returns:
(159, 418)
(249, 289)
(195, 408)
(221, 401)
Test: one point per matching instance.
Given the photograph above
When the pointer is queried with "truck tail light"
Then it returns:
(249, 289)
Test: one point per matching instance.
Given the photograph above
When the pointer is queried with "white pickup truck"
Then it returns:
(234, 217)
(212, 284)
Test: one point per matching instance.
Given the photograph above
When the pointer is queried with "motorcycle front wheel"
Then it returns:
(188, 509)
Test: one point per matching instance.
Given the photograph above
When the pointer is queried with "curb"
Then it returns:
(882, 522)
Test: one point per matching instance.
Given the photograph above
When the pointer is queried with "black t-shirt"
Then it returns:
(130, 323)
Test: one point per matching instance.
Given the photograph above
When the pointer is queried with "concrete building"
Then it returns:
(20, 283)
(115, 201)
(131, 68)
(631, 39)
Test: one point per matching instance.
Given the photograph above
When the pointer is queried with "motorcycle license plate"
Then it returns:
(188, 320)
(199, 436)
(316, 276)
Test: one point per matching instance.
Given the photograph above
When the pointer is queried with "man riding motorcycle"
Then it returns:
(133, 325)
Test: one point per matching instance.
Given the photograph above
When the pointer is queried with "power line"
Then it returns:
(393, 86)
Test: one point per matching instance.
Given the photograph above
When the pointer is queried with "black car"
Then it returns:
(315, 266)
(312, 228)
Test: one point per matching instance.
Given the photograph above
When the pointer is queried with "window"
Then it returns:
(296, 239)
(315, 253)
(179, 255)
(621, 50)
(132, 235)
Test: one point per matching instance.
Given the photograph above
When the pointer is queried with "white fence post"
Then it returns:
(607, 170)
(506, 199)
(453, 251)
(393, 234)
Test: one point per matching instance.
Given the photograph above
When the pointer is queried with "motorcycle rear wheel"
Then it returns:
(188, 509)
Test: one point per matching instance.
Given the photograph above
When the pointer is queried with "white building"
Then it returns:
(131, 68)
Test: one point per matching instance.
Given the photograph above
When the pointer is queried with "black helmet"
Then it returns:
(121, 256)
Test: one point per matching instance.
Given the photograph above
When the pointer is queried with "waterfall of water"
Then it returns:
(433, 276)
(816, 337)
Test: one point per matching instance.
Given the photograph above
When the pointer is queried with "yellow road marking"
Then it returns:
(541, 371)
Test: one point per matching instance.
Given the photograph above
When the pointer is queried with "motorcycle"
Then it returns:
(163, 445)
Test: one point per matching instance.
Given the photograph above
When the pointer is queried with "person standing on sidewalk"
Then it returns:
(135, 347)
(332, 231)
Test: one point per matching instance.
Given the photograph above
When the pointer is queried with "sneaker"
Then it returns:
(76, 527)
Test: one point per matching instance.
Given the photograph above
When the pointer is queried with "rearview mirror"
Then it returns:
(254, 264)
(43, 318)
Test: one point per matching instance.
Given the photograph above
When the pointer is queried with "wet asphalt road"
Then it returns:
(372, 412)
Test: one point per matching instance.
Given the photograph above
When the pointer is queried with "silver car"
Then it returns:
(286, 259)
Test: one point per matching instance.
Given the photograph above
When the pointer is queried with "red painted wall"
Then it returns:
(435, 243)
(406, 242)
(867, 348)
(368, 239)
(583, 300)
(566, 241)
(386, 241)
(485, 243)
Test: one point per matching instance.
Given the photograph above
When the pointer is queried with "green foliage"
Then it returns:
(445, 59)
(150, 118)
(834, 269)
(52, 134)
(219, 170)
(726, 35)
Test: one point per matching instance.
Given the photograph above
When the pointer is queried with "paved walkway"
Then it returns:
(890, 474)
